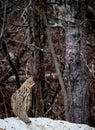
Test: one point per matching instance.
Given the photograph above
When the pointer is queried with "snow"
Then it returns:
(41, 124)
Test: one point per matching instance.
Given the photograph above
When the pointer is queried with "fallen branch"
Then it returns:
(23, 77)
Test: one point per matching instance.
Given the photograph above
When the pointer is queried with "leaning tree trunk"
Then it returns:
(76, 62)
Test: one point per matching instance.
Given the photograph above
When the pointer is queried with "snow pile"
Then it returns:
(41, 124)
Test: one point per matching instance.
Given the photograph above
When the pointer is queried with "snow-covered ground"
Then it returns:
(41, 124)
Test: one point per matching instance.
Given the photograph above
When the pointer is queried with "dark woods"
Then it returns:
(33, 45)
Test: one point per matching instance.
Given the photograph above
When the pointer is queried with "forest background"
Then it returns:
(25, 51)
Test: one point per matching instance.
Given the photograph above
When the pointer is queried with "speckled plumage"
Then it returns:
(20, 100)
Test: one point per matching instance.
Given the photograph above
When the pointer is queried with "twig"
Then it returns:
(56, 26)
(56, 95)
(5, 76)
(51, 107)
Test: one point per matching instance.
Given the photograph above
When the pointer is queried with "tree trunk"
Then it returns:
(76, 62)
(39, 41)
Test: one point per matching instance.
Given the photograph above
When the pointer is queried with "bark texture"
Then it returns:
(76, 62)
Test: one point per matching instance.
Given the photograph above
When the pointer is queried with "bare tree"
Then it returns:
(76, 62)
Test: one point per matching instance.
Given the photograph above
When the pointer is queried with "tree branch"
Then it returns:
(11, 63)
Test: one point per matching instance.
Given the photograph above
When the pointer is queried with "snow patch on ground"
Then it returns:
(41, 124)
